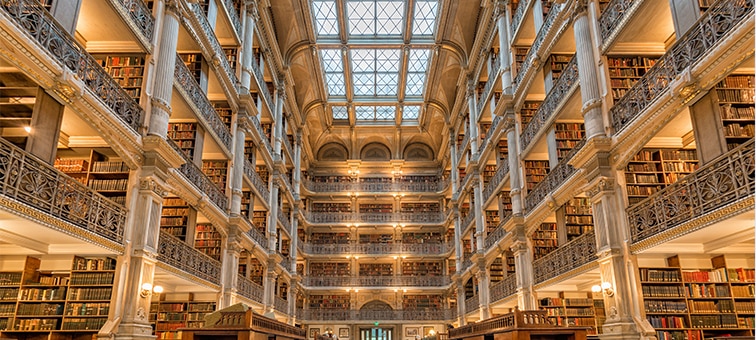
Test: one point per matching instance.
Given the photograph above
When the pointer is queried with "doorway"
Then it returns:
(376, 333)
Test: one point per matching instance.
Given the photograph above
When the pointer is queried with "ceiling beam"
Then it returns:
(734, 239)
(25, 242)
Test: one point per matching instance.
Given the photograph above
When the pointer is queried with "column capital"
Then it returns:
(599, 185)
(252, 10)
(149, 184)
(500, 8)
(173, 7)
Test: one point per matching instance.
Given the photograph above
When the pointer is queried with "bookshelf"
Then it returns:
(330, 269)
(420, 207)
(174, 217)
(262, 170)
(419, 302)
(250, 149)
(184, 135)
(572, 311)
(376, 208)
(216, 171)
(208, 240)
(107, 175)
(331, 179)
(651, 170)
(329, 238)
(429, 237)
(492, 220)
(705, 4)
(698, 303)
(520, 53)
(10, 284)
(126, 69)
(567, 136)
(376, 238)
(422, 268)
(246, 203)
(736, 107)
(625, 71)
(336, 207)
(193, 62)
(223, 109)
(496, 270)
(510, 262)
(578, 215)
(503, 150)
(555, 65)
(329, 301)
(535, 172)
(256, 270)
(376, 269)
(231, 54)
(544, 240)
(528, 110)
(168, 316)
(506, 203)
(260, 220)
(488, 172)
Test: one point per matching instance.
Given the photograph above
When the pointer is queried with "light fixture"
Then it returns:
(27, 129)
(605, 287)
(432, 332)
(148, 289)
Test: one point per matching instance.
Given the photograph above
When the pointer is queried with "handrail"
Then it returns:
(554, 179)
(195, 176)
(249, 289)
(536, 45)
(504, 288)
(571, 256)
(178, 254)
(510, 321)
(377, 281)
(257, 182)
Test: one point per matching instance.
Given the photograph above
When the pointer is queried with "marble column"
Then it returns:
(505, 61)
(230, 266)
(523, 255)
(237, 170)
(164, 69)
(480, 222)
(472, 106)
(484, 295)
(587, 73)
(272, 231)
(247, 55)
(454, 161)
(278, 120)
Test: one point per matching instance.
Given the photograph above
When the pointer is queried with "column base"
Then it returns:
(128, 331)
(624, 331)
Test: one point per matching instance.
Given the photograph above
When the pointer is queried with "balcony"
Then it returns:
(504, 323)
(717, 190)
(204, 185)
(140, 16)
(504, 288)
(496, 180)
(462, 147)
(557, 96)
(472, 304)
(528, 63)
(181, 256)
(189, 88)
(257, 182)
(493, 75)
(466, 261)
(33, 19)
(498, 233)
(261, 133)
(491, 130)
(615, 15)
(256, 235)
(280, 304)
(234, 17)
(429, 249)
(376, 315)
(284, 220)
(217, 53)
(37, 185)
(249, 289)
(517, 16)
(709, 31)
(387, 218)
(553, 180)
(262, 85)
(399, 185)
(568, 258)
(376, 281)
(466, 221)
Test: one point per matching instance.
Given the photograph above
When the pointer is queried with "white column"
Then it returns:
(589, 86)
(297, 175)
(473, 124)
(480, 223)
(523, 255)
(166, 65)
(278, 120)
(238, 166)
(483, 293)
(230, 267)
(515, 175)
(247, 57)
(273, 216)
(454, 161)
(504, 48)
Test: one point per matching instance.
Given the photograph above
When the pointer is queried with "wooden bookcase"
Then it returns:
(216, 171)
(376, 208)
(544, 240)
(376, 269)
(567, 136)
(496, 270)
(699, 303)
(421, 302)
(705, 4)
(520, 52)
(262, 170)
(53, 303)
(492, 220)
(503, 150)
(329, 238)
(625, 71)
(103, 173)
(184, 135)
(223, 109)
(126, 69)
(653, 169)
(578, 217)
(553, 68)
(528, 110)
(231, 54)
(420, 207)
(376, 238)
(176, 217)
(422, 268)
(260, 220)
(208, 240)
(335, 207)
(510, 262)
(426, 237)
(488, 172)
(168, 316)
(571, 311)
(329, 301)
(250, 150)
(256, 270)
(246, 203)
(330, 269)
(506, 203)
(535, 172)
(194, 62)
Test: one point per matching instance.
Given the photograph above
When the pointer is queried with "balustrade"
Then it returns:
(713, 27)
(467, 220)
(718, 184)
(491, 130)
(372, 315)
(462, 147)
(504, 288)
(466, 261)
(234, 17)
(261, 132)
(281, 305)
(426, 217)
(262, 85)
(548, 109)
(284, 220)
(27, 179)
(141, 16)
(176, 253)
(218, 53)
(517, 16)
(399, 185)
(249, 289)
(257, 236)
(33, 19)
(205, 110)
(195, 176)
(613, 15)
(498, 233)
(377, 248)
(553, 180)
(472, 303)
(257, 182)
(376, 281)
(517, 319)
(548, 23)
(493, 184)
(573, 255)
(493, 74)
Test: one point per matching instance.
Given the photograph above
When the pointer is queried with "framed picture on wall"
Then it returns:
(411, 331)
(427, 330)
(343, 333)
(314, 332)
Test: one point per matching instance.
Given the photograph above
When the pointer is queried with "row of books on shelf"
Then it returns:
(680, 166)
(81, 263)
(90, 293)
(737, 130)
(736, 96)
(92, 278)
(43, 294)
(737, 81)
(712, 275)
(71, 165)
(615, 62)
(109, 167)
(736, 112)
(108, 184)
(55, 280)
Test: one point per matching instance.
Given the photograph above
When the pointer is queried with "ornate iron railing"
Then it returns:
(28, 179)
(257, 236)
(207, 113)
(234, 17)
(376, 315)
(498, 233)
(285, 261)
(472, 303)
(249, 289)
(548, 109)
(284, 220)
(141, 15)
(462, 147)
(428, 217)
(571, 256)
(195, 176)
(504, 288)
(612, 16)
(467, 220)
(517, 319)
(287, 146)
(713, 27)
(280, 304)
(254, 177)
(367, 187)
(184, 257)
(262, 134)
(489, 134)
(517, 16)
(548, 23)
(262, 85)
(377, 248)
(218, 52)
(553, 180)
(501, 172)
(32, 18)
(721, 182)
(492, 76)
(466, 261)
(376, 281)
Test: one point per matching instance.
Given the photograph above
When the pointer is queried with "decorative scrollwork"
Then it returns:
(257, 182)
(544, 31)
(234, 17)
(195, 176)
(498, 233)
(141, 15)
(370, 315)
(493, 184)
(186, 258)
(571, 256)
(517, 16)
(504, 288)
(261, 133)
(249, 289)
(554, 179)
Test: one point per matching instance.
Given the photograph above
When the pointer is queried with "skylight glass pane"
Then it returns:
(363, 60)
(326, 17)
(385, 112)
(415, 84)
(361, 16)
(411, 112)
(339, 112)
(386, 84)
(389, 17)
(371, 17)
(418, 61)
(364, 84)
(336, 84)
(364, 112)
(387, 60)
(424, 22)
(332, 60)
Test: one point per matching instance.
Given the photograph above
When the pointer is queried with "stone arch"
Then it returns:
(333, 151)
(418, 151)
(375, 152)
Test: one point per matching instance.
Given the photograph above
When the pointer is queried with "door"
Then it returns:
(376, 334)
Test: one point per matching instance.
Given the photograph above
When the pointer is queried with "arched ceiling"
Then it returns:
(367, 67)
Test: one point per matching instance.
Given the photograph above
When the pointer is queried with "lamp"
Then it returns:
(432, 332)
(148, 289)
(605, 287)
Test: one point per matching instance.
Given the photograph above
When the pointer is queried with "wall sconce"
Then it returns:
(605, 287)
(432, 332)
(148, 289)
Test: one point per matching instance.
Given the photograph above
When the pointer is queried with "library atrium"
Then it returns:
(376, 169)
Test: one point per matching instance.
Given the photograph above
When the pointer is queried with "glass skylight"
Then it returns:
(371, 17)
(368, 112)
(416, 69)
(339, 112)
(375, 72)
(424, 22)
(326, 17)
(410, 112)
(333, 66)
